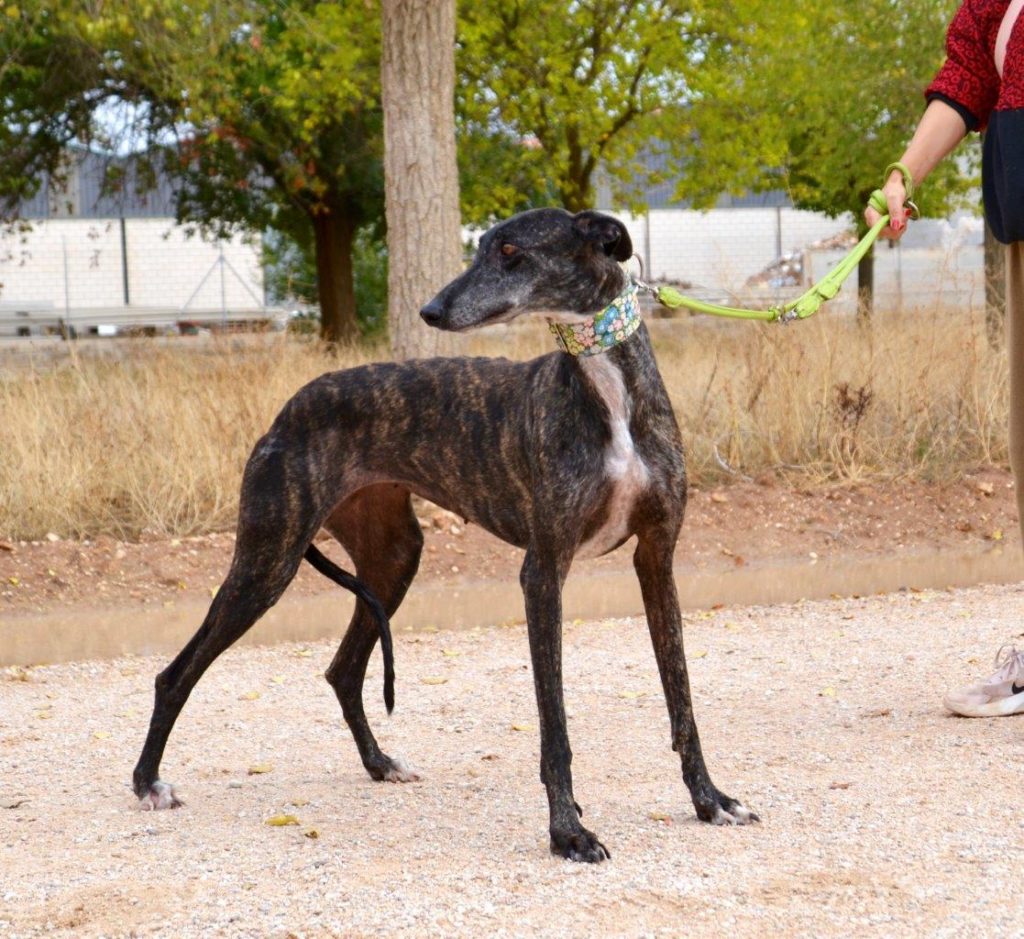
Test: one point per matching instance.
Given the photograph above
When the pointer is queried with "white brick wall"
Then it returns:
(164, 267)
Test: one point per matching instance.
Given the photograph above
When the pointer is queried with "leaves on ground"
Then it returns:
(279, 821)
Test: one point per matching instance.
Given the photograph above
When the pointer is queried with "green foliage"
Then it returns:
(813, 96)
(43, 105)
(816, 97)
(370, 264)
(548, 91)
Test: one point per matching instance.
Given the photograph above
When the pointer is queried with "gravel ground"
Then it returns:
(881, 814)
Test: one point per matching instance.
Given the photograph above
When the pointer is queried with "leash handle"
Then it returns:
(908, 180)
(879, 203)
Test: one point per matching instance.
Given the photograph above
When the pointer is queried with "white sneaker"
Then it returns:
(999, 695)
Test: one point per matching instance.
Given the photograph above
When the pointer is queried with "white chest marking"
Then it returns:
(626, 474)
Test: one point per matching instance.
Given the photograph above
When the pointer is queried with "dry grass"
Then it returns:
(151, 437)
(916, 395)
(154, 439)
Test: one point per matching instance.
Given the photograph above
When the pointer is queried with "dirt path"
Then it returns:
(747, 523)
(882, 815)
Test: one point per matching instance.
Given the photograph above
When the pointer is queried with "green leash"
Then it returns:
(809, 303)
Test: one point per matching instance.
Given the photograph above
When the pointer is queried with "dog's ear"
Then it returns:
(606, 231)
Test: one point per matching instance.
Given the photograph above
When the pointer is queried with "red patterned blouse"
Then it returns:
(969, 82)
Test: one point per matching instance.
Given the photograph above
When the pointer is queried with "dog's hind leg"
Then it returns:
(273, 533)
(653, 563)
(247, 593)
(379, 529)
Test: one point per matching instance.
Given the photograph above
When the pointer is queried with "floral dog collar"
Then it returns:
(613, 325)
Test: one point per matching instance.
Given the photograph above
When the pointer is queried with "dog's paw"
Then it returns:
(401, 772)
(721, 810)
(733, 813)
(160, 795)
(580, 845)
(392, 769)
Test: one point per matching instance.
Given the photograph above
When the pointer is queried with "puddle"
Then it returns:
(62, 637)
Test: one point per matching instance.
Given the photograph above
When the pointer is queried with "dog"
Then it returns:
(566, 456)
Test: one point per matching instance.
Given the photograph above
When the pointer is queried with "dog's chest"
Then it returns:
(626, 475)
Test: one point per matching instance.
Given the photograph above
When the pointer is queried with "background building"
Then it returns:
(90, 262)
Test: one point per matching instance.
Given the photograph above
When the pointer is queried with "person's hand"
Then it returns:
(896, 196)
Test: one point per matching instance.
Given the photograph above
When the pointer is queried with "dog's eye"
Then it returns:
(509, 250)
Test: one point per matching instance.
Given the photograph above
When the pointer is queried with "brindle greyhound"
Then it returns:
(567, 455)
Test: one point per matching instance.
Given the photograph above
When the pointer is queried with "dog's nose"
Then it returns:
(432, 313)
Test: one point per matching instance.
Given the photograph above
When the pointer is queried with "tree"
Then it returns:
(550, 92)
(269, 114)
(817, 98)
(420, 170)
(44, 72)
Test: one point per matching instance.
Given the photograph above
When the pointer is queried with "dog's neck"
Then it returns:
(626, 376)
(591, 335)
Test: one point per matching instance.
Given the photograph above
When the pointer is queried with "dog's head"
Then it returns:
(541, 261)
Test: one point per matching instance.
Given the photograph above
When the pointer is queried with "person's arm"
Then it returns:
(941, 128)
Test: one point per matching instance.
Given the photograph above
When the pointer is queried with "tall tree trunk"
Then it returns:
(334, 233)
(420, 174)
(866, 286)
(995, 289)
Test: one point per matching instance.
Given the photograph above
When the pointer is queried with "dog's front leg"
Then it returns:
(542, 577)
(653, 563)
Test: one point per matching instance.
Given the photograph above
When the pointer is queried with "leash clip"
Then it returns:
(640, 283)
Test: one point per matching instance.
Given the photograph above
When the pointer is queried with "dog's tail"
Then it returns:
(344, 579)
